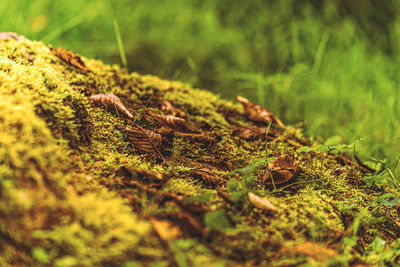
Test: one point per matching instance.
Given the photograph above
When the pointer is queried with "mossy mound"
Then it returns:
(74, 191)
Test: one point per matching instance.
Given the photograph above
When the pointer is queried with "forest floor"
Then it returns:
(100, 167)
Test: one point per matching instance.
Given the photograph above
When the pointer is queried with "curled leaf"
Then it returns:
(168, 108)
(172, 122)
(111, 101)
(283, 169)
(71, 58)
(145, 140)
(260, 202)
(208, 177)
(258, 113)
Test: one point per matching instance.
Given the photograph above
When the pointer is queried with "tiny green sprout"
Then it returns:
(305, 149)
(251, 168)
(144, 109)
(387, 171)
(386, 200)
(320, 148)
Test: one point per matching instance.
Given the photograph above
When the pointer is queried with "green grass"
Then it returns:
(334, 65)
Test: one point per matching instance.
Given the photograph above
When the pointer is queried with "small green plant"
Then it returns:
(138, 116)
(218, 220)
(320, 149)
(386, 172)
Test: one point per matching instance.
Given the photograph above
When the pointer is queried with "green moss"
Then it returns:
(64, 202)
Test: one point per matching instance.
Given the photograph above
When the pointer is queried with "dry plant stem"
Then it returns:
(272, 178)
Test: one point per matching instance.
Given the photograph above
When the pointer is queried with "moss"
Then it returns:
(63, 201)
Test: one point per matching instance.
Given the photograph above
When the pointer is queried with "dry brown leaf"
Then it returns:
(250, 132)
(71, 58)
(167, 107)
(165, 229)
(283, 169)
(145, 140)
(258, 113)
(166, 131)
(208, 177)
(11, 35)
(253, 132)
(111, 101)
(315, 250)
(260, 202)
(172, 122)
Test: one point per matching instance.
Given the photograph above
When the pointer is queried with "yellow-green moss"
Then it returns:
(59, 153)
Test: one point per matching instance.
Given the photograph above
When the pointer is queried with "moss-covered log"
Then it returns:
(84, 184)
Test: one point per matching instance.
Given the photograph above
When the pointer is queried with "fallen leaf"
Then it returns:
(258, 113)
(111, 101)
(283, 169)
(145, 140)
(71, 58)
(315, 250)
(167, 107)
(11, 35)
(208, 177)
(165, 229)
(166, 131)
(261, 203)
(172, 122)
(253, 132)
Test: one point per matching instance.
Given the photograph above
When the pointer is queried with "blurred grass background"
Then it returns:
(334, 64)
